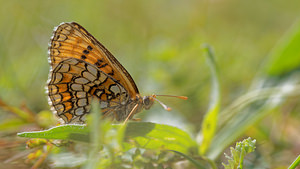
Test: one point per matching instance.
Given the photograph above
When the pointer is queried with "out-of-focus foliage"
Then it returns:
(210, 120)
(158, 42)
(238, 153)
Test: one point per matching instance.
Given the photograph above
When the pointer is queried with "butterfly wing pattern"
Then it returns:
(83, 69)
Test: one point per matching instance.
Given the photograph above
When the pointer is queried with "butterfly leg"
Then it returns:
(133, 110)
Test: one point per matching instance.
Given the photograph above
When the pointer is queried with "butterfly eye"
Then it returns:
(148, 101)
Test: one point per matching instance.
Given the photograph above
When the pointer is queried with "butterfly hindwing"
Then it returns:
(73, 83)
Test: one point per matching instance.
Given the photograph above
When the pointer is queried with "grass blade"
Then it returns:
(210, 121)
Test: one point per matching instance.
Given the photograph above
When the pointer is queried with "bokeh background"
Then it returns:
(159, 43)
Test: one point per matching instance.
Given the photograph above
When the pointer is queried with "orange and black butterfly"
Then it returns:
(83, 69)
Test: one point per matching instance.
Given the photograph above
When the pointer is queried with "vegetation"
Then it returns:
(237, 61)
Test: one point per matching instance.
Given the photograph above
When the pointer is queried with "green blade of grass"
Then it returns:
(295, 163)
(96, 137)
(210, 121)
(285, 56)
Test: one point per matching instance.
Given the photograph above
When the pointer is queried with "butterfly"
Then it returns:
(82, 69)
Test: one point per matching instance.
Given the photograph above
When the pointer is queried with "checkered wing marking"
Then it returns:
(74, 82)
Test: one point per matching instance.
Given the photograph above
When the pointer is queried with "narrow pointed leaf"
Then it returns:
(210, 121)
(63, 132)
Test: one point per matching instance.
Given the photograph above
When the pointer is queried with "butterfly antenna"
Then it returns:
(162, 104)
(165, 106)
(179, 97)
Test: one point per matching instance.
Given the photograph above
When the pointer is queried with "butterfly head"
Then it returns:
(148, 101)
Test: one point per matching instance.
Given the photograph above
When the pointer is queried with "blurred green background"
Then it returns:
(159, 43)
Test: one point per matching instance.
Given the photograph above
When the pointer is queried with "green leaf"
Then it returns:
(64, 132)
(141, 134)
(159, 136)
(285, 57)
(210, 121)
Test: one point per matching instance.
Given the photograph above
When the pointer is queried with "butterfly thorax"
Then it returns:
(128, 107)
(133, 106)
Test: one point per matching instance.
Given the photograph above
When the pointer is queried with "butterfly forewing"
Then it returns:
(70, 40)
